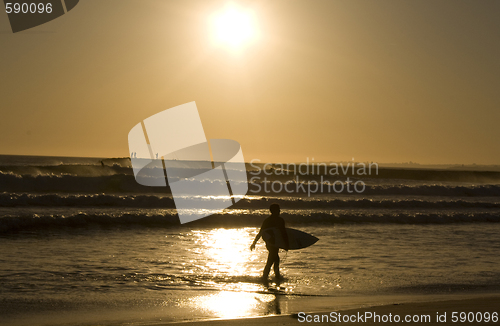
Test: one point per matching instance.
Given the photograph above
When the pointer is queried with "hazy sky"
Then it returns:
(385, 81)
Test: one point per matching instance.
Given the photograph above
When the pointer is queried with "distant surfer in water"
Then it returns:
(273, 221)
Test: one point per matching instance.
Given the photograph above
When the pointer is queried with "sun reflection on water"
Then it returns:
(226, 304)
(225, 251)
(220, 259)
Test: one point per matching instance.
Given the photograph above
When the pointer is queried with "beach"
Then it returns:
(446, 312)
(254, 162)
(83, 244)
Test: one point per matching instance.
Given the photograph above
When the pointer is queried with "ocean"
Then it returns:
(82, 243)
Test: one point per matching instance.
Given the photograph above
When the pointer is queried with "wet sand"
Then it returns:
(426, 313)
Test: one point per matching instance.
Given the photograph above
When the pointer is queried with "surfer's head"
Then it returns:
(275, 209)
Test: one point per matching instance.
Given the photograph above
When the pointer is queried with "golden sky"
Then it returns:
(384, 81)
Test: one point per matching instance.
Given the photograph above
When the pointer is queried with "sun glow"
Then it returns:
(226, 304)
(227, 250)
(234, 27)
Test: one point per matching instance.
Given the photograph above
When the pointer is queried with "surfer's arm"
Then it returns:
(285, 238)
(257, 237)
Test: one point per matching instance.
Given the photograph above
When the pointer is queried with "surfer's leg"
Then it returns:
(269, 263)
(277, 265)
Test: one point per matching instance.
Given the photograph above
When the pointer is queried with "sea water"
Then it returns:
(81, 243)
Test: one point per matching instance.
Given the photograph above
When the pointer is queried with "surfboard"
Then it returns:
(296, 239)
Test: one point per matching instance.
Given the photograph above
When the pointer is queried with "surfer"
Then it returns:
(273, 221)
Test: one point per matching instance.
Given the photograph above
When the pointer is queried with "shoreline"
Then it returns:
(442, 307)
(222, 308)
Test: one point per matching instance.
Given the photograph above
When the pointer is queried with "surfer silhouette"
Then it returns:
(273, 221)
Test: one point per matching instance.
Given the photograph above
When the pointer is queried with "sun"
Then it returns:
(234, 27)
